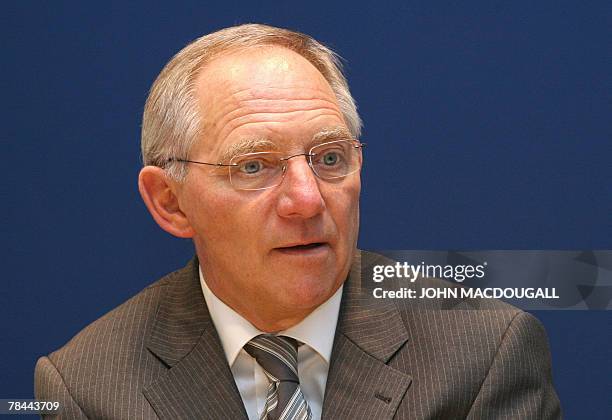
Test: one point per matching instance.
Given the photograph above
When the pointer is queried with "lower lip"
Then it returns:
(304, 252)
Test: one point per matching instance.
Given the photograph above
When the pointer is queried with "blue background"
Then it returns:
(488, 123)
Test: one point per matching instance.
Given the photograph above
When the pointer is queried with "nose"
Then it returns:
(300, 195)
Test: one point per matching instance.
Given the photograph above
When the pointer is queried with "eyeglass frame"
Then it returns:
(356, 144)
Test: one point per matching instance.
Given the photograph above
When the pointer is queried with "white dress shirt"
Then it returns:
(316, 331)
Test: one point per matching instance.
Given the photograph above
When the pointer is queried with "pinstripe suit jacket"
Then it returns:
(159, 356)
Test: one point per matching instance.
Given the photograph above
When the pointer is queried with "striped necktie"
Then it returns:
(277, 355)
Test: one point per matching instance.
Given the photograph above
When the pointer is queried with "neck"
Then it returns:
(272, 324)
(263, 315)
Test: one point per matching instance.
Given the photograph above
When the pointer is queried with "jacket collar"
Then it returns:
(369, 333)
(199, 382)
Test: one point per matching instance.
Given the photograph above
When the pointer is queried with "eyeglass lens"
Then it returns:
(333, 160)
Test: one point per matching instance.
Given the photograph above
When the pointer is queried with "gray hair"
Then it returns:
(171, 122)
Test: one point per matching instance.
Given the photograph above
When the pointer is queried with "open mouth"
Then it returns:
(303, 248)
(308, 246)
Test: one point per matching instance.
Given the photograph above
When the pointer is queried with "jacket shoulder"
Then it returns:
(109, 357)
(131, 317)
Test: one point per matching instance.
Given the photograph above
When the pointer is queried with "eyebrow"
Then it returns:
(251, 145)
(331, 134)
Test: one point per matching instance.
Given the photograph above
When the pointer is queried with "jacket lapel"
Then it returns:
(198, 382)
(370, 331)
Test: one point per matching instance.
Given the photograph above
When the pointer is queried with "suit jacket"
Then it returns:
(158, 355)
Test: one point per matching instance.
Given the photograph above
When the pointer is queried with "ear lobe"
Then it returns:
(160, 198)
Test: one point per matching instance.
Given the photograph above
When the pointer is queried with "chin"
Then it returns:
(310, 291)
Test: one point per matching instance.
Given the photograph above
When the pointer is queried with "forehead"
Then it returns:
(261, 92)
(258, 69)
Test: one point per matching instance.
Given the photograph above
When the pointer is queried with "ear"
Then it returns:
(159, 194)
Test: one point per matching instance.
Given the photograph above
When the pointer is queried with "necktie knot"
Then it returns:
(277, 355)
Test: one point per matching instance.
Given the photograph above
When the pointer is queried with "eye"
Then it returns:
(251, 166)
(330, 158)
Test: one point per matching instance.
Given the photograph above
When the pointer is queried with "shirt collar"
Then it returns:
(316, 330)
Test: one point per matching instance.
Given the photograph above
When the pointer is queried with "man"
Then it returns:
(250, 143)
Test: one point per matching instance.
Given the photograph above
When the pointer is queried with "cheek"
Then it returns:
(346, 208)
(207, 212)
(226, 216)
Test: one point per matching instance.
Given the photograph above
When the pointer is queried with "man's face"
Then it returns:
(273, 254)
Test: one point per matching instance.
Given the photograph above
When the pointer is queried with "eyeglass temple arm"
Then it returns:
(200, 163)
